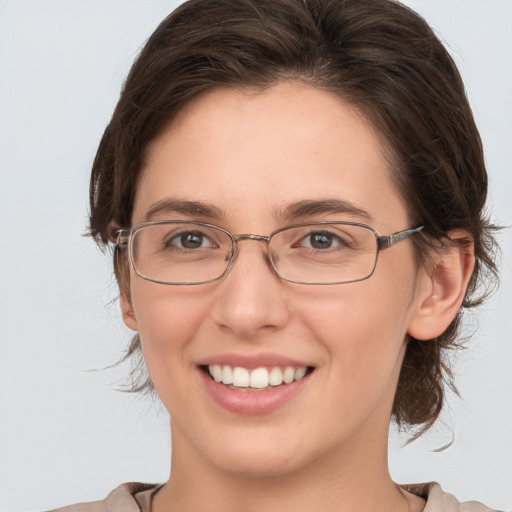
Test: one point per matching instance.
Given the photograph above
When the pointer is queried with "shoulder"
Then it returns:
(440, 501)
(120, 499)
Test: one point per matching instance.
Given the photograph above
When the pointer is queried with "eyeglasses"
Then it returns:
(181, 252)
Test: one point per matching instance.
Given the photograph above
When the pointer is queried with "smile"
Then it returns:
(243, 379)
(255, 384)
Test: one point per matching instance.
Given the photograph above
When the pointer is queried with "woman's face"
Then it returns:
(248, 157)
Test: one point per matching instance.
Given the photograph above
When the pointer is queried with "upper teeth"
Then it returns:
(258, 378)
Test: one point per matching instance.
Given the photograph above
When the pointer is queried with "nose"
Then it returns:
(251, 298)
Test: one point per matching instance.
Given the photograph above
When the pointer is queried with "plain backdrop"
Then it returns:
(66, 434)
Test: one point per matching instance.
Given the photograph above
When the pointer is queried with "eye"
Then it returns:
(189, 240)
(322, 240)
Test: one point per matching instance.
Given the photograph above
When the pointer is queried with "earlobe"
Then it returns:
(127, 312)
(443, 286)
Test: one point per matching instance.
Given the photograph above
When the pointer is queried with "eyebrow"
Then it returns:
(189, 208)
(310, 208)
(299, 210)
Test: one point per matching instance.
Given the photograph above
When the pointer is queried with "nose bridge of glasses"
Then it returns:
(256, 238)
(243, 237)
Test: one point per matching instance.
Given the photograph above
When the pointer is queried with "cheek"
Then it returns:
(362, 328)
(168, 320)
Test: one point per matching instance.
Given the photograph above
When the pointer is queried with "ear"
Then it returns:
(442, 286)
(127, 312)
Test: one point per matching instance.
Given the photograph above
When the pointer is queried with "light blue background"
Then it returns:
(65, 434)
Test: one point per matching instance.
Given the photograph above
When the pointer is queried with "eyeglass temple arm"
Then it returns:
(384, 242)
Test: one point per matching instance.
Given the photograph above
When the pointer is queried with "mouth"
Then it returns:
(256, 379)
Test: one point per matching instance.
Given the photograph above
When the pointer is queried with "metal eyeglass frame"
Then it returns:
(125, 236)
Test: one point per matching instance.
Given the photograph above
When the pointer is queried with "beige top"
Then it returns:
(136, 497)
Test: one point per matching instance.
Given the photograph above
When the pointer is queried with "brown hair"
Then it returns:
(375, 54)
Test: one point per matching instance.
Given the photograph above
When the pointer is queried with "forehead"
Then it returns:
(249, 151)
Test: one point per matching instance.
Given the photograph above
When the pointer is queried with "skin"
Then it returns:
(250, 154)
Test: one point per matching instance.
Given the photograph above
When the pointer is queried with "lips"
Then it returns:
(254, 385)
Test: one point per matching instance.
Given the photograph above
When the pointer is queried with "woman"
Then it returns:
(296, 192)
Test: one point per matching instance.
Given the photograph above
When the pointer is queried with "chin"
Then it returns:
(257, 458)
(259, 467)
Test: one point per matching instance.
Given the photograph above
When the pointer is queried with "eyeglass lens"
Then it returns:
(178, 253)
